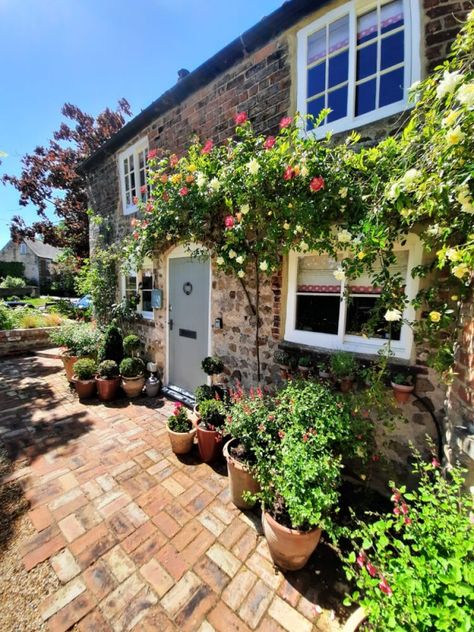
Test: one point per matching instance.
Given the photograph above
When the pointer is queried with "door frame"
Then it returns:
(177, 253)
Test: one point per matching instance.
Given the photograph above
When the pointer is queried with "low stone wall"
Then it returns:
(21, 341)
(29, 290)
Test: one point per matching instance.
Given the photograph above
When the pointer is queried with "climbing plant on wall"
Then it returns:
(252, 199)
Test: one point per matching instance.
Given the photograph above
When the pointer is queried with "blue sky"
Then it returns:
(93, 52)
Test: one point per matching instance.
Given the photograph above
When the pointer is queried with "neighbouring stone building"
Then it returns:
(358, 58)
(37, 258)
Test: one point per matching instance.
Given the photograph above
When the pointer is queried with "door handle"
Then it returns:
(170, 323)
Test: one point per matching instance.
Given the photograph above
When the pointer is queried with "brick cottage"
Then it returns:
(358, 58)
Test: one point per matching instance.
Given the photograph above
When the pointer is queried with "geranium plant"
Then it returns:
(179, 420)
(414, 568)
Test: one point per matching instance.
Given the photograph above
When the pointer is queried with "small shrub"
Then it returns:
(131, 344)
(212, 412)
(6, 317)
(343, 365)
(212, 365)
(112, 347)
(305, 362)
(12, 282)
(132, 367)
(30, 319)
(179, 421)
(203, 392)
(108, 369)
(282, 357)
(85, 369)
(79, 339)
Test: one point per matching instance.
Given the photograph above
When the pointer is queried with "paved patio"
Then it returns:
(139, 539)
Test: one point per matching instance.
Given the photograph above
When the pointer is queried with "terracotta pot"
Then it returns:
(209, 444)
(346, 384)
(181, 442)
(133, 386)
(240, 479)
(356, 619)
(107, 388)
(290, 549)
(69, 361)
(402, 392)
(84, 388)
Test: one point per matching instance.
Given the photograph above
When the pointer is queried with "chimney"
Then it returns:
(182, 73)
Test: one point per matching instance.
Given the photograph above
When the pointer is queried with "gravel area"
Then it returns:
(21, 592)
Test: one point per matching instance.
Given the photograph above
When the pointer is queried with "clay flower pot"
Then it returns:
(133, 386)
(402, 392)
(84, 388)
(107, 388)
(209, 444)
(69, 361)
(240, 479)
(357, 618)
(290, 549)
(181, 442)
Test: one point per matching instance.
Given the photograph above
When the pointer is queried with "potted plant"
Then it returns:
(343, 369)
(211, 418)
(202, 393)
(131, 345)
(425, 543)
(323, 369)
(305, 363)
(245, 422)
(132, 371)
(77, 340)
(212, 365)
(112, 344)
(84, 377)
(108, 380)
(180, 430)
(282, 358)
(402, 385)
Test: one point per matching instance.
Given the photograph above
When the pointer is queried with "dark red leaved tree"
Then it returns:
(50, 180)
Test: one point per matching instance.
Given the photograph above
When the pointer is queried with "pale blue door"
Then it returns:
(188, 321)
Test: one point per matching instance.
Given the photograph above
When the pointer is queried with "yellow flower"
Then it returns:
(361, 255)
(175, 178)
(454, 297)
(460, 270)
(286, 226)
(455, 136)
(192, 168)
(435, 317)
(465, 95)
(450, 118)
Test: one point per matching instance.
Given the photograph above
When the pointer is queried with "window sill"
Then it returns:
(293, 347)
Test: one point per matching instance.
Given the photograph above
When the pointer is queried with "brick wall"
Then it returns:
(22, 341)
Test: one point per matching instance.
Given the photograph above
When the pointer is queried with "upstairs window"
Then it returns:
(133, 175)
(358, 60)
(22, 248)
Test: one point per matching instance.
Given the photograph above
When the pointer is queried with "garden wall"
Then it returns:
(22, 341)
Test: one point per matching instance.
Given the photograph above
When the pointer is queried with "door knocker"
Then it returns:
(187, 288)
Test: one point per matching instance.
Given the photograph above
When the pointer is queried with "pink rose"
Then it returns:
(435, 462)
(183, 191)
(240, 118)
(286, 121)
(316, 183)
(289, 173)
(143, 189)
(229, 221)
(208, 145)
(384, 587)
(152, 154)
(174, 160)
(270, 141)
(371, 569)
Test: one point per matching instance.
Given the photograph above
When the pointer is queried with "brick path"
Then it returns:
(140, 539)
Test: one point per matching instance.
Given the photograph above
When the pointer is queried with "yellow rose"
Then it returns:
(192, 168)
(460, 270)
(435, 317)
(454, 297)
(450, 119)
(455, 136)
(176, 178)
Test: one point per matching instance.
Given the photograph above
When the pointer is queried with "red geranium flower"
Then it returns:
(229, 221)
(289, 173)
(268, 144)
(208, 145)
(240, 118)
(384, 587)
(174, 160)
(316, 183)
(286, 121)
(152, 154)
(183, 191)
(397, 511)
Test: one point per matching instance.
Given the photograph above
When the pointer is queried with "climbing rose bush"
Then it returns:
(414, 568)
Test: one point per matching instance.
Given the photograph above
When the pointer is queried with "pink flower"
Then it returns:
(240, 118)
(361, 559)
(268, 144)
(305, 437)
(371, 569)
(384, 587)
(286, 121)
(281, 434)
(316, 184)
(404, 509)
(208, 145)
(143, 189)
(134, 222)
(152, 154)
(174, 160)
(435, 462)
(261, 427)
(183, 191)
(229, 221)
(149, 207)
(177, 406)
(407, 521)
(375, 458)
(135, 234)
(397, 511)
(396, 497)
(289, 173)
(144, 223)
(165, 196)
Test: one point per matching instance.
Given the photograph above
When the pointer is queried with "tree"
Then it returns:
(50, 178)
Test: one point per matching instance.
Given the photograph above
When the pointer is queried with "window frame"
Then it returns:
(412, 64)
(134, 150)
(22, 248)
(402, 348)
(139, 274)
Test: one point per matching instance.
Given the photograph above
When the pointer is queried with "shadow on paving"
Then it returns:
(13, 503)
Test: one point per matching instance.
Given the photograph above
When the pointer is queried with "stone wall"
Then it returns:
(441, 22)
(11, 252)
(22, 341)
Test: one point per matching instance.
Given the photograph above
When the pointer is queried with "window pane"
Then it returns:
(141, 160)
(318, 313)
(367, 27)
(366, 61)
(146, 301)
(314, 107)
(317, 79)
(391, 87)
(125, 166)
(337, 101)
(359, 311)
(365, 97)
(391, 16)
(147, 280)
(338, 69)
(392, 50)
(316, 274)
(316, 46)
(339, 34)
